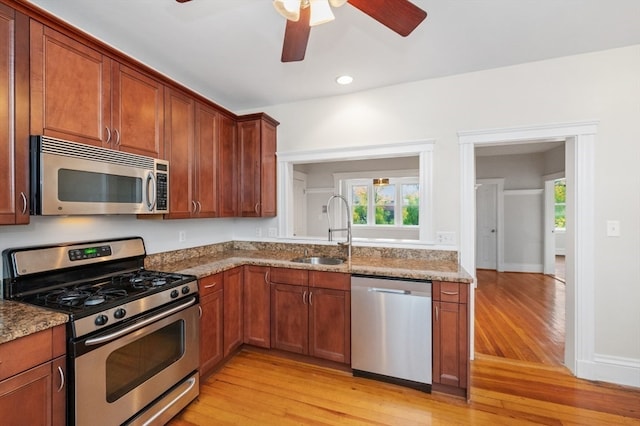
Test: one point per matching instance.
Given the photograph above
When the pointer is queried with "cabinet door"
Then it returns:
(137, 112)
(206, 161)
(249, 168)
(232, 310)
(290, 318)
(257, 306)
(32, 389)
(14, 117)
(330, 324)
(227, 167)
(211, 331)
(179, 132)
(70, 88)
(268, 171)
(450, 343)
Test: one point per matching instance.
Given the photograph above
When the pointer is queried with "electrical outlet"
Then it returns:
(182, 236)
(258, 232)
(273, 232)
(446, 238)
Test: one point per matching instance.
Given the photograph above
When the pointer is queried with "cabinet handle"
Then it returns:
(310, 298)
(117, 143)
(304, 297)
(256, 208)
(266, 277)
(450, 293)
(436, 313)
(194, 209)
(211, 285)
(108, 135)
(199, 311)
(24, 202)
(199, 206)
(61, 373)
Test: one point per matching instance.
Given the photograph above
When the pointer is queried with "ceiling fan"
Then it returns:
(401, 16)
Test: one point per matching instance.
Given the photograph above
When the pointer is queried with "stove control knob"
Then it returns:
(186, 289)
(119, 313)
(175, 294)
(101, 320)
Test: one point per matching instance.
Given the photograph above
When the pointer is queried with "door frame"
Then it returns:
(549, 267)
(580, 140)
(499, 182)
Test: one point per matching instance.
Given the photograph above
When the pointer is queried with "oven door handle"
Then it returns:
(112, 336)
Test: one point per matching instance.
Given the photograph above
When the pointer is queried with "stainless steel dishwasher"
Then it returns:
(391, 330)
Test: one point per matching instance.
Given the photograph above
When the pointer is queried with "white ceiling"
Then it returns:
(229, 50)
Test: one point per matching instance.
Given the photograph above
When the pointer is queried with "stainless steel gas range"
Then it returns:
(132, 335)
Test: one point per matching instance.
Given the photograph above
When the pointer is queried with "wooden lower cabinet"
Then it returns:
(257, 306)
(33, 383)
(311, 314)
(451, 337)
(233, 310)
(211, 323)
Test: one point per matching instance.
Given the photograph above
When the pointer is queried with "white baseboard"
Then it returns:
(523, 267)
(611, 369)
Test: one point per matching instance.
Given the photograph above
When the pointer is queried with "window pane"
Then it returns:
(359, 204)
(410, 204)
(561, 222)
(561, 191)
(385, 204)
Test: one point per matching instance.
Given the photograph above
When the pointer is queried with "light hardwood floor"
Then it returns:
(256, 388)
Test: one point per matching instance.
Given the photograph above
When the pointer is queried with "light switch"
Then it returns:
(613, 228)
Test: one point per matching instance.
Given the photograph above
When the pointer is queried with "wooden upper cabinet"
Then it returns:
(227, 166)
(257, 165)
(179, 133)
(137, 108)
(14, 117)
(206, 161)
(81, 95)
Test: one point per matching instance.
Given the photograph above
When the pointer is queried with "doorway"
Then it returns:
(580, 300)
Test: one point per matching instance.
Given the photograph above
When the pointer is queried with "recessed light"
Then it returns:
(344, 79)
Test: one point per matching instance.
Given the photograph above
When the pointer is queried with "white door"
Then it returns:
(299, 204)
(549, 228)
(487, 226)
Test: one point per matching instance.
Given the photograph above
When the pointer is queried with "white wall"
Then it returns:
(602, 86)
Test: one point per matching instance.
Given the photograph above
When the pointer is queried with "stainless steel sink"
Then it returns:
(319, 260)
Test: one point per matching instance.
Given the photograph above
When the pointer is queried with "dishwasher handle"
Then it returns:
(388, 290)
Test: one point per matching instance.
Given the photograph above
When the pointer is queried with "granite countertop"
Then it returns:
(19, 320)
(438, 270)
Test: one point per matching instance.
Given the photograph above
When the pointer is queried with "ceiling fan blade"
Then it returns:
(401, 16)
(296, 37)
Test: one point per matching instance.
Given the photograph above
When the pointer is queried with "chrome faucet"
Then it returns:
(348, 228)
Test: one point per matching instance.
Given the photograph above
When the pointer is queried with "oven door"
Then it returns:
(121, 372)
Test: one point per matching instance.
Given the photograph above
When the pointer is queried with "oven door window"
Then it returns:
(83, 186)
(136, 362)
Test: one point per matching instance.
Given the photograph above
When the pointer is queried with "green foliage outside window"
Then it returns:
(359, 204)
(411, 202)
(560, 187)
(385, 204)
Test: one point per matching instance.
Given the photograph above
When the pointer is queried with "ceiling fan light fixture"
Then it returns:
(320, 12)
(290, 9)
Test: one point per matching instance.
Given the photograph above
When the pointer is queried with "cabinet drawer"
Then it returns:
(211, 283)
(450, 292)
(23, 353)
(289, 276)
(330, 280)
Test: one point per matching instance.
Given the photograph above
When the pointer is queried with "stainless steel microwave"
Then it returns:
(68, 178)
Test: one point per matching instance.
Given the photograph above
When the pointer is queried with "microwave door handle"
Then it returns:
(151, 191)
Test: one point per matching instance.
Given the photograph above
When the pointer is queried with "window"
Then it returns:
(394, 204)
(560, 187)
